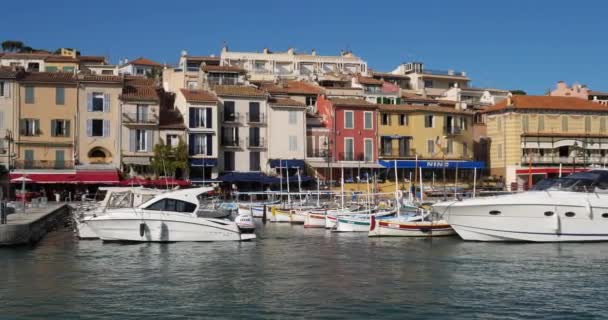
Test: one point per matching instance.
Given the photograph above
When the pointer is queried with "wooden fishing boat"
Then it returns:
(406, 227)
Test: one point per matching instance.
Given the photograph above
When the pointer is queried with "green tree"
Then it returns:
(518, 92)
(12, 46)
(167, 159)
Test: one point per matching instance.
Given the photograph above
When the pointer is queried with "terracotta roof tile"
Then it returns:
(292, 87)
(369, 81)
(170, 119)
(413, 108)
(8, 73)
(285, 102)
(92, 59)
(15, 56)
(141, 61)
(351, 102)
(139, 81)
(239, 91)
(211, 68)
(139, 93)
(546, 103)
(64, 77)
(199, 96)
(99, 78)
(598, 93)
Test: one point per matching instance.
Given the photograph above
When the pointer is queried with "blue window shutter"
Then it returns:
(191, 115)
(106, 102)
(67, 128)
(89, 102)
(106, 128)
(89, 128)
(209, 118)
(29, 95)
(59, 95)
(191, 144)
(132, 140)
(150, 140)
(209, 144)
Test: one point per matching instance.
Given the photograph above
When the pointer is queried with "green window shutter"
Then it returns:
(60, 96)
(67, 128)
(68, 69)
(51, 69)
(29, 94)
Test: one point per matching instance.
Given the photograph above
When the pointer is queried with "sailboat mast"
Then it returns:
(342, 185)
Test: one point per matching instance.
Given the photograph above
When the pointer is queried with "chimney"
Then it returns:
(290, 51)
(314, 52)
(509, 99)
(561, 85)
(266, 51)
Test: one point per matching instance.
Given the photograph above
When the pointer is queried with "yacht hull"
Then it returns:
(314, 220)
(391, 228)
(540, 216)
(164, 228)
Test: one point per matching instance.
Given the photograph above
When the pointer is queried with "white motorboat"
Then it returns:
(115, 197)
(573, 208)
(168, 217)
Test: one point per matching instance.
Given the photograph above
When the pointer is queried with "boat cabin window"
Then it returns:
(172, 205)
(590, 181)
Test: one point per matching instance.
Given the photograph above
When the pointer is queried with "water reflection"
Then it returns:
(295, 272)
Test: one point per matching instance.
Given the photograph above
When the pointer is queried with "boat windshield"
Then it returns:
(591, 181)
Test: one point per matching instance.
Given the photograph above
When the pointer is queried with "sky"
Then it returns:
(515, 44)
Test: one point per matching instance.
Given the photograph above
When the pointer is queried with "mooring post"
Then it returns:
(3, 212)
(264, 214)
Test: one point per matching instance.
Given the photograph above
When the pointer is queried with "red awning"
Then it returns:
(134, 182)
(170, 182)
(83, 177)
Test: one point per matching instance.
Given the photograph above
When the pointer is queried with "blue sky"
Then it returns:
(505, 44)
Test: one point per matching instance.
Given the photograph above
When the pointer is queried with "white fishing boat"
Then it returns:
(168, 217)
(573, 208)
(409, 226)
(315, 218)
(359, 222)
(115, 197)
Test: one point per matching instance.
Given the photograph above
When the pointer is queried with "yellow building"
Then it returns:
(532, 137)
(47, 114)
(59, 63)
(427, 131)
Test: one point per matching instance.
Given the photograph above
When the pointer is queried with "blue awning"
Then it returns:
(259, 178)
(286, 163)
(433, 164)
(200, 162)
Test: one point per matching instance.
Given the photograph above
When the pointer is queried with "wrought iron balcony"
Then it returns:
(139, 118)
(44, 164)
(233, 117)
(231, 143)
(256, 143)
(256, 118)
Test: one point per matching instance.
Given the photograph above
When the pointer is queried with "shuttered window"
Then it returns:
(29, 95)
(59, 96)
(564, 123)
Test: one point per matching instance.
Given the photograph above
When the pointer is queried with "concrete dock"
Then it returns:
(31, 226)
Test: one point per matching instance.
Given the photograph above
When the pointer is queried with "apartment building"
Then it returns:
(268, 65)
(139, 131)
(201, 114)
(431, 82)
(99, 121)
(287, 131)
(138, 67)
(377, 91)
(9, 103)
(353, 133)
(47, 114)
(302, 91)
(532, 137)
(579, 91)
(243, 131)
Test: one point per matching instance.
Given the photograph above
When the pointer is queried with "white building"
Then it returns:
(243, 132)
(377, 91)
(287, 129)
(267, 65)
(477, 97)
(33, 62)
(431, 82)
(200, 112)
(138, 67)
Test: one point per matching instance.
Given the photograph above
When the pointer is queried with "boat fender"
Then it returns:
(372, 223)
(142, 229)
(589, 209)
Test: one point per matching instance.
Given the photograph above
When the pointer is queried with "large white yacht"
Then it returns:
(573, 208)
(168, 217)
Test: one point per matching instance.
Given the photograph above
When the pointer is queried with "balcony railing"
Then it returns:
(256, 143)
(258, 118)
(354, 156)
(394, 153)
(548, 159)
(44, 164)
(233, 117)
(231, 143)
(452, 130)
(214, 81)
(444, 72)
(139, 118)
(318, 154)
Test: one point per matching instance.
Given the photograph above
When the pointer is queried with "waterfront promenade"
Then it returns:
(30, 226)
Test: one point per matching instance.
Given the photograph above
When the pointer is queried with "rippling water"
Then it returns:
(292, 272)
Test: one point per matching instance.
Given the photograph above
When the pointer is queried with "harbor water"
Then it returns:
(292, 272)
